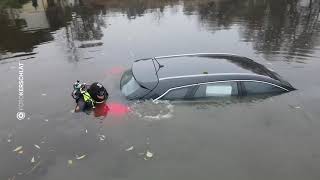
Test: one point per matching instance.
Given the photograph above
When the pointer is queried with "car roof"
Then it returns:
(189, 65)
(200, 67)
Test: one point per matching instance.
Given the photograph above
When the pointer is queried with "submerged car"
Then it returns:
(199, 76)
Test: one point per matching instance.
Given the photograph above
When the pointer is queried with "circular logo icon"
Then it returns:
(21, 115)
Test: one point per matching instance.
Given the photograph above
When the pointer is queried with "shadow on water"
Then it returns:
(289, 29)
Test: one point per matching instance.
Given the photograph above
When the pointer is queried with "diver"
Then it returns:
(87, 97)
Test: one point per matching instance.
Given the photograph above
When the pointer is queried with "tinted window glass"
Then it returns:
(177, 93)
(254, 88)
(217, 90)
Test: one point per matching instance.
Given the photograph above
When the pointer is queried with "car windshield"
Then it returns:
(128, 84)
(145, 74)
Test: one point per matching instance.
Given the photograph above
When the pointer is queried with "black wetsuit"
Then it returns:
(95, 90)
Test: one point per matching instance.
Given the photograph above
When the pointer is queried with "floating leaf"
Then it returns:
(130, 148)
(294, 107)
(70, 162)
(33, 168)
(51, 150)
(33, 160)
(80, 157)
(37, 146)
(12, 178)
(102, 137)
(149, 154)
(17, 149)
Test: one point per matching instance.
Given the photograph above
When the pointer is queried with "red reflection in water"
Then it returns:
(101, 110)
(118, 109)
(112, 108)
(117, 70)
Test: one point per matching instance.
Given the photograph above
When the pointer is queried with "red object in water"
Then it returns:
(114, 109)
(101, 110)
(118, 109)
(115, 70)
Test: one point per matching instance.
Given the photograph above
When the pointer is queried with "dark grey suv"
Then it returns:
(199, 76)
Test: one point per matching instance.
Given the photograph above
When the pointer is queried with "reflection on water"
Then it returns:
(274, 27)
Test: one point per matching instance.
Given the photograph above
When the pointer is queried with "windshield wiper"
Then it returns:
(159, 65)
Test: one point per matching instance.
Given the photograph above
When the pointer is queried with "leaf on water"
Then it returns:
(34, 167)
(37, 146)
(20, 152)
(102, 137)
(12, 178)
(130, 148)
(149, 154)
(33, 160)
(17, 149)
(80, 157)
(70, 162)
(51, 150)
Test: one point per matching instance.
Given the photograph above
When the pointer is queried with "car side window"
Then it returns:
(177, 94)
(256, 88)
(221, 89)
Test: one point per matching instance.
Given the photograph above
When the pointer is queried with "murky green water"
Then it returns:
(59, 42)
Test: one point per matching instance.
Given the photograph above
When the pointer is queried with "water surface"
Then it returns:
(59, 42)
